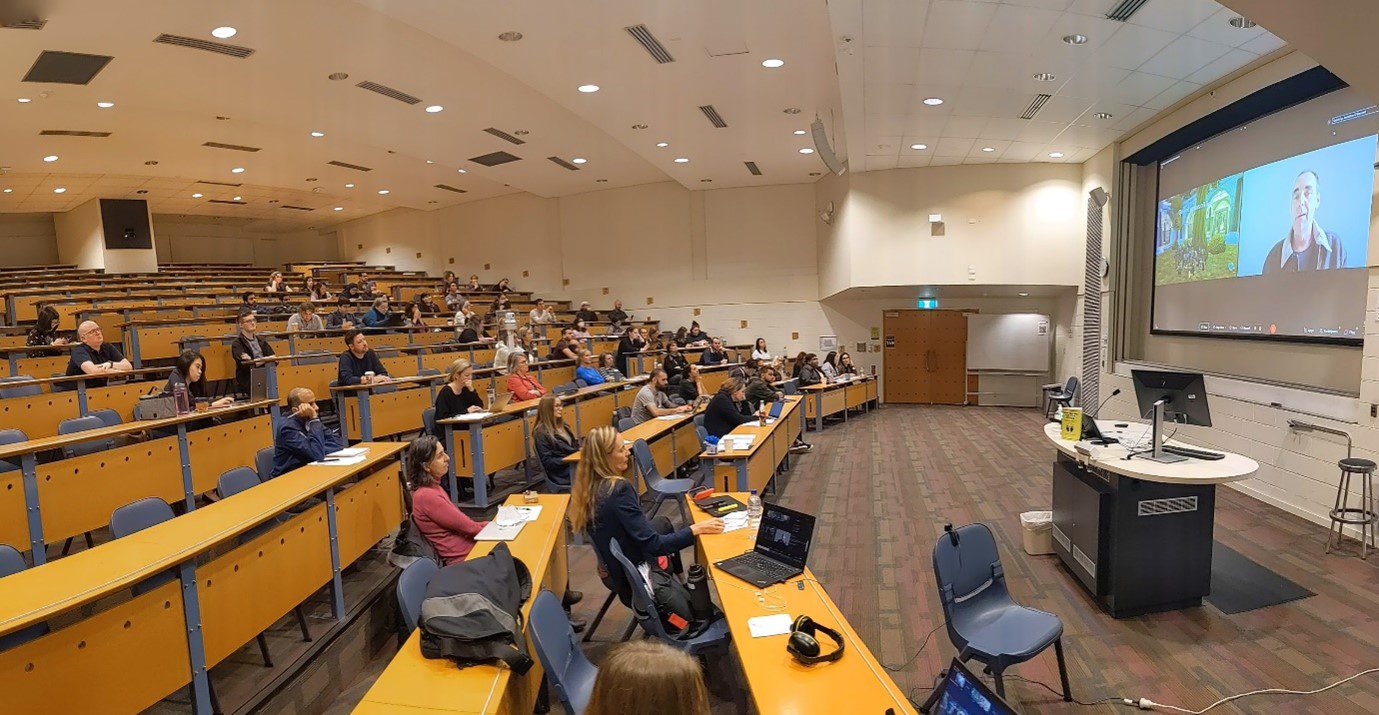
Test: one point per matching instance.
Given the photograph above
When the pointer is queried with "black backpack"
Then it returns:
(472, 613)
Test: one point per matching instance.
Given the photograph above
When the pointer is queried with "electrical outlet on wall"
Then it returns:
(452, 260)
(488, 266)
(526, 273)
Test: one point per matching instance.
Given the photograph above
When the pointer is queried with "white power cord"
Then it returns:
(1147, 704)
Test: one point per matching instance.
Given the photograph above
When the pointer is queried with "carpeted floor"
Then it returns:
(883, 486)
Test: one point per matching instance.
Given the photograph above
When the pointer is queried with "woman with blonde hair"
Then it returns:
(648, 678)
(554, 441)
(603, 505)
(458, 396)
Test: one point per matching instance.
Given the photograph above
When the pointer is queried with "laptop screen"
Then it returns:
(964, 694)
(785, 535)
(776, 408)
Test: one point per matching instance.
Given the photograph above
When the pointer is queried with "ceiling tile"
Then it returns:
(1086, 137)
(964, 127)
(887, 98)
(1172, 95)
(889, 124)
(909, 141)
(953, 146)
(896, 23)
(913, 161)
(1222, 66)
(1023, 151)
(1058, 5)
(1017, 29)
(1133, 45)
(946, 161)
(1007, 129)
(1037, 131)
(986, 102)
(981, 159)
(1183, 57)
(1096, 29)
(1134, 119)
(937, 66)
(1176, 16)
(880, 163)
(1218, 29)
(890, 65)
(955, 24)
(925, 124)
(883, 146)
(1138, 88)
(1063, 109)
(1263, 45)
(1097, 8)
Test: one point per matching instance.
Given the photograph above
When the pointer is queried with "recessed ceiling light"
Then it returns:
(225, 32)
(1075, 39)
(339, 208)
(791, 110)
(1024, 295)
(1103, 115)
(988, 149)
(24, 100)
(197, 196)
(60, 190)
(151, 162)
(349, 186)
(662, 144)
(521, 132)
(9, 191)
(318, 135)
(222, 118)
(772, 63)
(1045, 76)
(681, 160)
(311, 179)
(600, 181)
(337, 76)
(706, 181)
(800, 132)
(1244, 23)
(588, 88)
(1055, 155)
(806, 150)
(933, 101)
(105, 105)
(383, 192)
(50, 158)
(639, 126)
(579, 160)
(428, 161)
(238, 198)
(237, 170)
(919, 147)
(435, 108)
(510, 36)
(462, 171)
(813, 173)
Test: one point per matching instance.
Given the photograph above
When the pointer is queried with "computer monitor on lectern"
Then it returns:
(1184, 395)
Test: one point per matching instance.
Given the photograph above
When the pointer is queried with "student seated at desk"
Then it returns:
(93, 356)
(722, 414)
(586, 314)
(566, 348)
(580, 331)
(554, 442)
(44, 331)
(617, 315)
(457, 395)
(690, 387)
(587, 370)
(343, 317)
(276, 284)
(377, 316)
(609, 369)
(190, 372)
(715, 354)
(522, 343)
(452, 296)
(809, 371)
(604, 506)
(540, 315)
(299, 437)
(521, 383)
(762, 389)
(695, 338)
(653, 400)
(630, 344)
(828, 369)
(316, 290)
(416, 318)
(357, 360)
(760, 352)
(450, 532)
(675, 363)
(473, 284)
(845, 366)
(248, 346)
(502, 287)
(305, 319)
(648, 678)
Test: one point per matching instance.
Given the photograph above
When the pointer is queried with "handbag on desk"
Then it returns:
(154, 407)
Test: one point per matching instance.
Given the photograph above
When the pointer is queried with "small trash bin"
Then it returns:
(1037, 527)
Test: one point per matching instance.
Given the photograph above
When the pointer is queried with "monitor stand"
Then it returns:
(1157, 454)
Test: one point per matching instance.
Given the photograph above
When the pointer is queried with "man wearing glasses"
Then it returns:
(94, 356)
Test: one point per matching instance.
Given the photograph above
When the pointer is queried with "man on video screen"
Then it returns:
(1307, 247)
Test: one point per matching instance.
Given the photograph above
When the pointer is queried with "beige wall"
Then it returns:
(196, 239)
(80, 239)
(28, 239)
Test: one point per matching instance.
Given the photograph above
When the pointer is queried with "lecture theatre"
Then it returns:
(649, 357)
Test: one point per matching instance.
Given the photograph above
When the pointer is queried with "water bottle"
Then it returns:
(180, 399)
(753, 511)
(492, 395)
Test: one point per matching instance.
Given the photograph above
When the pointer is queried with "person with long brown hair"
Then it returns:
(554, 441)
(648, 678)
(604, 505)
(450, 532)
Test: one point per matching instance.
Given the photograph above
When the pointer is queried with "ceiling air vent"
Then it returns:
(24, 24)
(563, 163)
(66, 67)
(444, 187)
(714, 117)
(194, 43)
(217, 183)
(1122, 11)
(504, 136)
(235, 147)
(225, 201)
(71, 133)
(648, 41)
(753, 168)
(295, 208)
(495, 158)
(1039, 101)
(344, 165)
(389, 92)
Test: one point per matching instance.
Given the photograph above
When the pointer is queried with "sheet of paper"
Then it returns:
(734, 521)
(340, 461)
(471, 416)
(495, 532)
(774, 625)
(513, 515)
(670, 417)
(350, 452)
(753, 423)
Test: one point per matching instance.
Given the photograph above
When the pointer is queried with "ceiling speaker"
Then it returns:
(825, 151)
(1099, 195)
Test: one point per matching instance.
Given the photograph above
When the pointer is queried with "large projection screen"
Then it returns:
(1263, 231)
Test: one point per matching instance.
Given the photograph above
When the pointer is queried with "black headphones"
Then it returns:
(804, 644)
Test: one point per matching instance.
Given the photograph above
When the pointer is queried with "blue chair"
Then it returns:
(428, 420)
(72, 425)
(10, 436)
(619, 415)
(263, 462)
(568, 672)
(11, 562)
(626, 423)
(22, 391)
(108, 417)
(1063, 397)
(135, 517)
(320, 359)
(411, 590)
(984, 623)
(699, 419)
(658, 484)
(715, 637)
(428, 372)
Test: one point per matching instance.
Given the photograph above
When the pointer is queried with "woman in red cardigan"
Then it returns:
(450, 532)
(521, 383)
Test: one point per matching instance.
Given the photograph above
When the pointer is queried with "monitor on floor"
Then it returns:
(962, 693)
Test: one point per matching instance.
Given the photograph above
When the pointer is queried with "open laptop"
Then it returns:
(501, 401)
(776, 408)
(781, 548)
(962, 693)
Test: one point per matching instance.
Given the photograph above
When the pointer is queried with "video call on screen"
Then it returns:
(1274, 249)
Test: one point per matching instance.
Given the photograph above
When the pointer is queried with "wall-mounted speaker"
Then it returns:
(125, 223)
(1099, 195)
(825, 150)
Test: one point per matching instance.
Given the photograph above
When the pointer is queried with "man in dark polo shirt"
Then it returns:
(94, 356)
(359, 359)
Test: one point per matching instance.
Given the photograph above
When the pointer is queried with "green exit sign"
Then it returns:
(926, 303)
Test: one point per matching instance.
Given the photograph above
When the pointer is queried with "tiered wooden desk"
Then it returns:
(754, 468)
(824, 400)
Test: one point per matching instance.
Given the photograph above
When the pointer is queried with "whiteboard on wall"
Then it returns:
(1010, 341)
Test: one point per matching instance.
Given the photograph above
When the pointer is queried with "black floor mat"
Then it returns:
(1239, 584)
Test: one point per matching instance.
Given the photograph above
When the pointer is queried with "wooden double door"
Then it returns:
(926, 356)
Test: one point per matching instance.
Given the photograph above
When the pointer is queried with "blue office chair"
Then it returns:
(108, 417)
(568, 672)
(411, 590)
(984, 623)
(428, 420)
(715, 637)
(626, 424)
(315, 359)
(658, 484)
(137, 516)
(384, 389)
(581, 384)
(699, 419)
(263, 463)
(1063, 397)
(619, 415)
(11, 562)
(72, 425)
(22, 391)
(10, 436)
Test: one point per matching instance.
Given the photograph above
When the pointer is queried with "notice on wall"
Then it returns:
(1043, 327)
(828, 343)
(875, 333)
(890, 341)
(862, 347)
